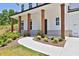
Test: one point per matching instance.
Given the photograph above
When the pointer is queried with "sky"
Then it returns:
(9, 6)
(17, 8)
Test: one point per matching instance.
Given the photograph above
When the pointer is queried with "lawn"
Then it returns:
(19, 50)
(16, 50)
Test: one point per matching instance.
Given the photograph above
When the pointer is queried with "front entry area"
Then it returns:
(45, 26)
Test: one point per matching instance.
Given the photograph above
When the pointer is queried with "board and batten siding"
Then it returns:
(51, 12)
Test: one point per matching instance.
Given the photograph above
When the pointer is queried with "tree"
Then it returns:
(11, 12)
(5, 19)
(5, 16)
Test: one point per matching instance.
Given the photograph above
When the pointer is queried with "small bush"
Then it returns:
(52, 38)
(3, 38)
(60, 39)
(26, 34)
(45, 39)
(2, 41)
(55, 40)
(9, 40)
(12, 35)
(38, 37)
(8, 37)
(41, 34)
(4, 44)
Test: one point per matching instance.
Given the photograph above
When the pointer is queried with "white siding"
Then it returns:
(51, 14)
(36, 21)
(25, 22)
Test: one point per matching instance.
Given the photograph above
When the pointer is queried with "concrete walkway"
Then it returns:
(40, 47)
(71, 47)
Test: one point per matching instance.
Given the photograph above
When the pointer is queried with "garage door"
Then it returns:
(75, 30)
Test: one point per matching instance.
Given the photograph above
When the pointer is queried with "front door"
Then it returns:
(45, 26)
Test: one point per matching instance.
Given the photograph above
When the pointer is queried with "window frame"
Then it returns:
(22, 25)
(57, 21)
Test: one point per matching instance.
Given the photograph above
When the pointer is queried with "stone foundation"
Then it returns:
(50, 32)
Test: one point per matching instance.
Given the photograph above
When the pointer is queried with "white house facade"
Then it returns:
(53, 19)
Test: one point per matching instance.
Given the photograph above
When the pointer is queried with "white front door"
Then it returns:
(75, 30)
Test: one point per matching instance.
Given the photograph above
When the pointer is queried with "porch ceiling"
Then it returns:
(45, 7)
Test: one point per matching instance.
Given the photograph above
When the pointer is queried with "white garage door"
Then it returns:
(75, 30)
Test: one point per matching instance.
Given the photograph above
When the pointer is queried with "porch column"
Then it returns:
(12, 23)
(29, 18)
(63, 21)
(43, 20)
(19, 24)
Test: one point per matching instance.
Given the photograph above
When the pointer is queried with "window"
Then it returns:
(30, 5)
(73, 7)
(37, 4)
(22, 25)
(31, 24)
(57, 21)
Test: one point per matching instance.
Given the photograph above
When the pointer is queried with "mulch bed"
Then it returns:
(59, 44)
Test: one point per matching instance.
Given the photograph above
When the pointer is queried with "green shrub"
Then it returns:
(4, 44)
(8, 37)
(55, 40)
(41, 34)
(26, 34)
(60, 39)
(12, 35)
(52, 38)
(38, 37)
(2, 40)
(45, 39)
(9, 40)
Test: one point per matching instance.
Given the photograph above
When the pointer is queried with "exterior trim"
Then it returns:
(73, 10)
(43, 20)
(62, 21)
(19, 24)
(29, 18)
(32, 8)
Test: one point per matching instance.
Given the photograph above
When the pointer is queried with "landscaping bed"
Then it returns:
(55, 41)
(8, 37)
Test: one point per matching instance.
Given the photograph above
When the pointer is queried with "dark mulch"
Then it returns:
(59, 44)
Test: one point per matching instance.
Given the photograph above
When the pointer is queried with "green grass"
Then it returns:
(19, 51)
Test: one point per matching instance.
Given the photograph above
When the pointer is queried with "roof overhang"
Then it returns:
(32, 10)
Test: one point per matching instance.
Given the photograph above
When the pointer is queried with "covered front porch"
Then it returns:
(41, 19)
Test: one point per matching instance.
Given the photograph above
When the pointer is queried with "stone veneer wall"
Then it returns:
(50, 32)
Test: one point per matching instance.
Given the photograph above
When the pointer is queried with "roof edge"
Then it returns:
(31, 8)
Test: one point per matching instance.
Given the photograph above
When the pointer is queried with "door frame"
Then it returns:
(45, 26)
